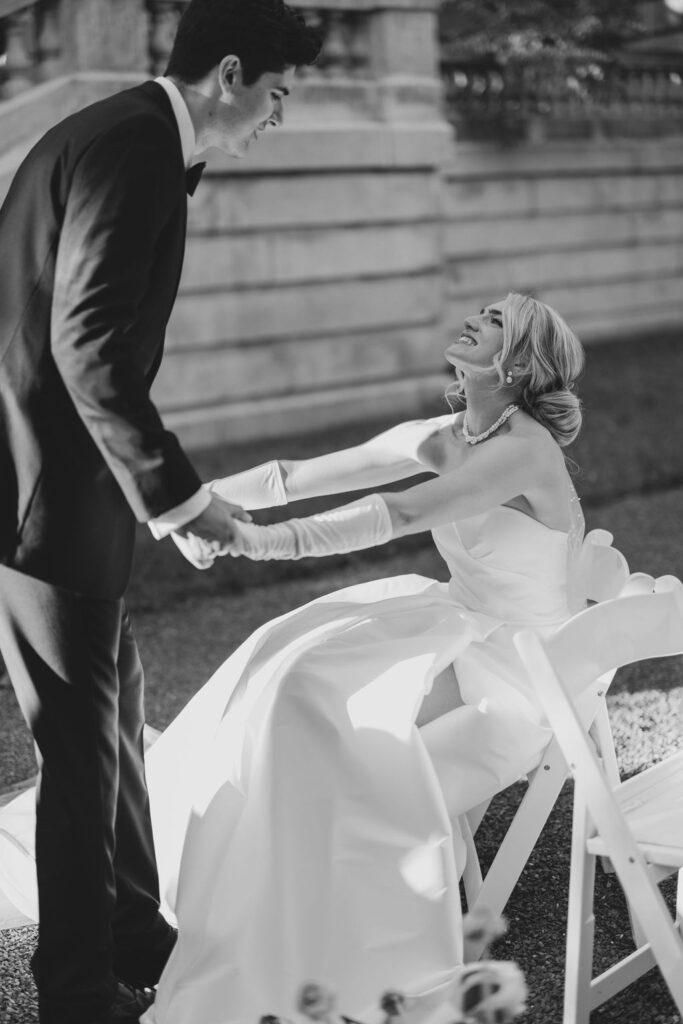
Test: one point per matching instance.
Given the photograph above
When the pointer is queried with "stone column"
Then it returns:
(164, 17)
(389, 45)
(105, 35)
(405, 58)
(19, 29)
(49, 47)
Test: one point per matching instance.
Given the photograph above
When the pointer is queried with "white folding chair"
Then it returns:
(639, 823)
(603, 574)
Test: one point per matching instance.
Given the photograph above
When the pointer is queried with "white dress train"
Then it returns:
(304, 825)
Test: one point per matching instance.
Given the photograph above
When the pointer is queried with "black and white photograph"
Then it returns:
(341, 511)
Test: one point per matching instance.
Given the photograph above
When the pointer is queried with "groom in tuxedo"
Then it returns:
(92, 236)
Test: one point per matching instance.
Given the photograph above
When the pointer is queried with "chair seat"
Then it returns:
(652, 803)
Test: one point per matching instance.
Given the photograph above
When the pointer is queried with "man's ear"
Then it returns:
(229, 69)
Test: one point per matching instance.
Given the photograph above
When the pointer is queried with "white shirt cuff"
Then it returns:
(163, 525)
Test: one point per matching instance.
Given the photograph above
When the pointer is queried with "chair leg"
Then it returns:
(601, 734)
(580, 923)
(520, 839)
(664, 941)
(471, 876)
(476, 815)
(679, 902)
(639, 936)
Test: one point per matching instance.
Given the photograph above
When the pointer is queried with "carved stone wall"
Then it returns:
(595, 230)
(325, 272)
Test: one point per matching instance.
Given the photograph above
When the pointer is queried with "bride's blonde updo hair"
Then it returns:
(543, 355)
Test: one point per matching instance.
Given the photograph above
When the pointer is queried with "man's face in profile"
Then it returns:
(244, 111)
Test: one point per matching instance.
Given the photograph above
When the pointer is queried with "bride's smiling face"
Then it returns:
(480, 340)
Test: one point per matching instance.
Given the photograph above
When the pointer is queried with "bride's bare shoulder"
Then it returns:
(442, 444)
(541, 448)
(526, 428)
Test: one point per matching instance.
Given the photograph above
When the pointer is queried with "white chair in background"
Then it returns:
(603, 574)
(639, 823)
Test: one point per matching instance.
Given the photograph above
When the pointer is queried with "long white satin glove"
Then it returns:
(194, 551)
(363, 523)
(260, 487)
(204, 538)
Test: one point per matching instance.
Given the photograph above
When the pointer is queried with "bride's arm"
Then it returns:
(492, 476)
(501, 469)
(392, 455)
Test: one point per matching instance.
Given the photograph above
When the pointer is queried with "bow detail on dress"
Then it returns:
(193, 177)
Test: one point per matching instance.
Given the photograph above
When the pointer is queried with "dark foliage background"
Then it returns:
(525, 29)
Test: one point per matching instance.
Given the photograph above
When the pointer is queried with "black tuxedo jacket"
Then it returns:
(92, 237)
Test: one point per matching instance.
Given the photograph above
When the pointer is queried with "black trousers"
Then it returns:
(75, 668)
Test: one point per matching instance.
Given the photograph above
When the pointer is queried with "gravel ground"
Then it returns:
(186, 638)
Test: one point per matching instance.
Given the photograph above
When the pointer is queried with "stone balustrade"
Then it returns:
(164, 16)
(30, 44)
(378, 61)
(345, 35)
(378, 57)
(554, 99)
(344, 31)
(40, 39)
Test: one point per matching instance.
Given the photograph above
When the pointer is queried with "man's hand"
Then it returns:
(210, 534)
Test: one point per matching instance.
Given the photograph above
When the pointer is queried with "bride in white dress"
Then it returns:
(305, 802)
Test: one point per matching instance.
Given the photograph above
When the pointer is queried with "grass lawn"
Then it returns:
(631, 479)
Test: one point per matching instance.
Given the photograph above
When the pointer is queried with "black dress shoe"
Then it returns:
(142, 968)
(128, 1006)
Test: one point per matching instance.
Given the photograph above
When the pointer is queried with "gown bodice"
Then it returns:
(507, 566)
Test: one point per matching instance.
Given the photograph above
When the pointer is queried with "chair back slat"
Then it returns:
(615, 633)
(602, 569)
(608, 635)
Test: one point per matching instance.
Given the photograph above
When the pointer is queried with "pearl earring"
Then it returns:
(508, 377)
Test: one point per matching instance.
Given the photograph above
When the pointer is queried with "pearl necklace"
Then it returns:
(476, 438)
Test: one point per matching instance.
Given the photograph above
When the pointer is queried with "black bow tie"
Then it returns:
(193, 177)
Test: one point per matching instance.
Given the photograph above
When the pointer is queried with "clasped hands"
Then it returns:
(211, 534)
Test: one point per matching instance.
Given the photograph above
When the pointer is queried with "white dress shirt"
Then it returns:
(169, 521)
(188, 139)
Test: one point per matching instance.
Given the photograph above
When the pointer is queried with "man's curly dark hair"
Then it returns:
(266, 35)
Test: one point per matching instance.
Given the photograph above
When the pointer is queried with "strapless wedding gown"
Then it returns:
(305, 827)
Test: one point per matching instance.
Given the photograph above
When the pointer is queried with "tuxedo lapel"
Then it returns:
(158, 95)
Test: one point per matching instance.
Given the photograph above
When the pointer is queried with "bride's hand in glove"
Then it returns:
(211, 533)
